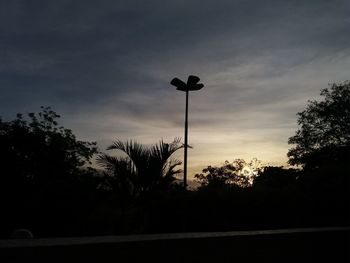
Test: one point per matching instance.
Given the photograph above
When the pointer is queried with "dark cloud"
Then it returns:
(106, 65)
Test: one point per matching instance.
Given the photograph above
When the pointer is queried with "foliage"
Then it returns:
(324, 133)
(46, 180)
(37, 149)
(47, 188)
(213, 176)
(276, 177)
(144, 169)
(238, 173)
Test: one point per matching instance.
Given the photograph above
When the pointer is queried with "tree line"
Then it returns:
(49, 186)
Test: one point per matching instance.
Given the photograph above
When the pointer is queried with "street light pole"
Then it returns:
(191, 85)
(186, 142)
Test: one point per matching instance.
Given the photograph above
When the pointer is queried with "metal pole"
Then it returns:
(186, 142)
(192, 84)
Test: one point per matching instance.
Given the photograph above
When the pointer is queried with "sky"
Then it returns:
(106, 67)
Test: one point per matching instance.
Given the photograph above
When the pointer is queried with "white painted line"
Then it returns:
(48, 242)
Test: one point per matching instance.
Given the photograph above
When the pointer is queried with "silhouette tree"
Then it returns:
(276, 177)
(238, 173)
(324, 134)
(37, 149)
(144, 169)
(216, 177)
(45, 178)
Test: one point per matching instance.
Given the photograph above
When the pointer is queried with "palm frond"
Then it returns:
(162, 151)
(143, 168)
(135, 151)
(130, 148)
(106, 161)
(169, 170)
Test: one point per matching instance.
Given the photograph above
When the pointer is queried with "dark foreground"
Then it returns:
(321, 245)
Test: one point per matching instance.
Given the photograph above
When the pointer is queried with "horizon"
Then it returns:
(106, 69)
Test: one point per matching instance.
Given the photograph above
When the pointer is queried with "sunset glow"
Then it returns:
(107, 70)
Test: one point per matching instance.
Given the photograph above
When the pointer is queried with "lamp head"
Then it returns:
(192, 80)
(192, 84)
(179, 84)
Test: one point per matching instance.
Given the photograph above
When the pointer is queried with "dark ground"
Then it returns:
(330, 246)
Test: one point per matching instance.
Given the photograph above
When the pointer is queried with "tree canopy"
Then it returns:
(238, 173)
(45, 187)
(35, 148)
(324, 133)
(144, 169)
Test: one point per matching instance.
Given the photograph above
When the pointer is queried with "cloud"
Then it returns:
(106, 67)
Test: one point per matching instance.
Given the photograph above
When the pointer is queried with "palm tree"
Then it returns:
(144, 169)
